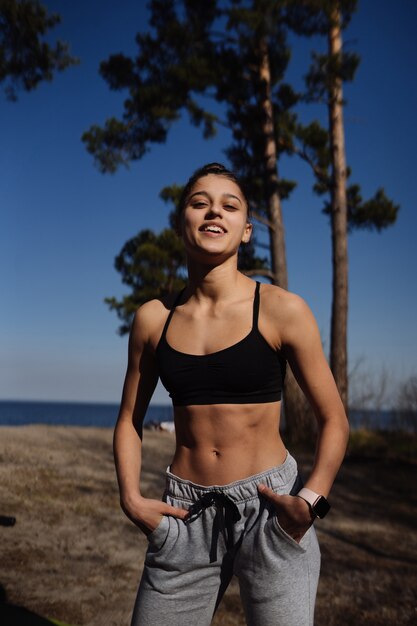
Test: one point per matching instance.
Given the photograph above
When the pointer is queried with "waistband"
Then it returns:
(239, 490)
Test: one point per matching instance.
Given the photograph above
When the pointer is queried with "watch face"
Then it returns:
(321, 507)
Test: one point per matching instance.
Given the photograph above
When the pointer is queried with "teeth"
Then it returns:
(214, 229)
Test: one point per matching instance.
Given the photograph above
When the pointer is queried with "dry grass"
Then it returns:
(73, 556)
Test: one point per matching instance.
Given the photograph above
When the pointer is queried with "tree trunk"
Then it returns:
(273, 200)
(338, 339)
(299, 425)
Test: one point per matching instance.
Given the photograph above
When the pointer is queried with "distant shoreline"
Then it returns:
(85, 414)
(104, 415)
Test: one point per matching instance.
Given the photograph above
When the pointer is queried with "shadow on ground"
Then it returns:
(12, 615)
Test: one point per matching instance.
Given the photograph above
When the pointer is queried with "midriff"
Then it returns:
(218, 444)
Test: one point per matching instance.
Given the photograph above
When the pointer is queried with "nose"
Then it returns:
(214, 210)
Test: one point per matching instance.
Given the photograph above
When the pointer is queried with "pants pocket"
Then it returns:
(282, 534)
(159, 535)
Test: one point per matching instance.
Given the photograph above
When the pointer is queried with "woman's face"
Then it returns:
(214, 221)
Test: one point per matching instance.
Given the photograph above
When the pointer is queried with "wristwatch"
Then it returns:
(318, 504)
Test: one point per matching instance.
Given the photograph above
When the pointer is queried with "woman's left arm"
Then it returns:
(301, 342)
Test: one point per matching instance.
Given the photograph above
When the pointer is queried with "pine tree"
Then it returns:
(25, 58)
(152, 266)
(325, 152)
(234, 52)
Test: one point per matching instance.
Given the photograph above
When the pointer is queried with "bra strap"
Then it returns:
(256, 306)
(171, 313)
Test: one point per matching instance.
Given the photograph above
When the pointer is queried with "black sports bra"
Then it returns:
(249, 371)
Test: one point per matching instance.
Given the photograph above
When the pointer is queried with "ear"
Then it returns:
(247, 233)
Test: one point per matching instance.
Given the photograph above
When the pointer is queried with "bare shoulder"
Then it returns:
(145, 314)
(149, 319)
(285, 305)
(288, 312)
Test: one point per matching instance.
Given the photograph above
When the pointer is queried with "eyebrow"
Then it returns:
(204, 193)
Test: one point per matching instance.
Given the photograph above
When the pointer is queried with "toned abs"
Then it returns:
(219, 444)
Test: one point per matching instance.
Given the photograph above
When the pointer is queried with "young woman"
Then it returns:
(234, 502)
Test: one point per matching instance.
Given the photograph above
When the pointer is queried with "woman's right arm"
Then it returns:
(140, 382)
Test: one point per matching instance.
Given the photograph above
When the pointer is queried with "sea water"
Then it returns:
(18, 413)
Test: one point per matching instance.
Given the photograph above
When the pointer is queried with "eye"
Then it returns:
(199, 204)
(231, 207)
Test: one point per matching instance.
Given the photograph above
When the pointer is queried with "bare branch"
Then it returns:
(303, 154)
(263, 220)
(224, 38)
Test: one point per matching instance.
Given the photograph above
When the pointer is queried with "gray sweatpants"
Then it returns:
(232, 530)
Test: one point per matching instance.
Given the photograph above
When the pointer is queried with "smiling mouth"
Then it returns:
(212, 228)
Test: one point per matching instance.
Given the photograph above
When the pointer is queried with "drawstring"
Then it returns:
(227, 514)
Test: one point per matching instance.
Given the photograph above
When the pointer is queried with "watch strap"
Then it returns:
(308, 495)
(317, 503)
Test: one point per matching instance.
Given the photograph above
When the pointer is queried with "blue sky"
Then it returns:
(62, 222)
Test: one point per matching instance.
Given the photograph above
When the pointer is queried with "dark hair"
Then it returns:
(211, 168)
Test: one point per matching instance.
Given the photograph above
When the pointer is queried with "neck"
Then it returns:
(215, 282)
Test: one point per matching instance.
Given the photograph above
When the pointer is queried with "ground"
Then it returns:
(72, 556)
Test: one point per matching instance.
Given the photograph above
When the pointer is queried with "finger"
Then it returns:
(269, 494)
(175, 511)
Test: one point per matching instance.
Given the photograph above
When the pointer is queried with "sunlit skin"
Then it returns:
(218, 444)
